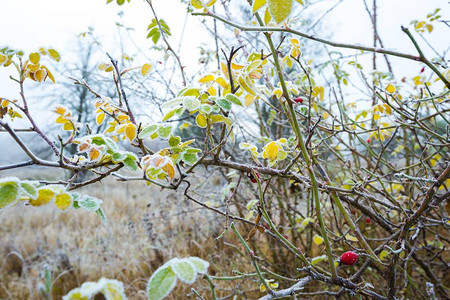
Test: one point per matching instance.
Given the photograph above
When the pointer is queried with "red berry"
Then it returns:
(422, 70)
(368, 141)
(367, 220)
(349, 258)
(299, 100)
(253, 178)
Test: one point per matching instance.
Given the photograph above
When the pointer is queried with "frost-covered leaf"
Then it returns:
(280, 9)
(191, 103)
(90, 203)
(234, 99)
(224, 104)
(9, 192)
(164, 131)
(147, 131)
(63, 201)
(174, 141)
(29, 188)
(200, 120)
(257, 4)
(184, 270)
(45, 195)
(161, 283)
(201, 266)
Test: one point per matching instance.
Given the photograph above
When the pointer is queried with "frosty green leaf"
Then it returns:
(147, 131)
(201, 266)
(161, 283)
(191, 103)
(224, 104)
(232, 98)
(184, 270)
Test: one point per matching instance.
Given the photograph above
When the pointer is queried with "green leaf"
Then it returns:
(164, 131)
(101, 214)
(89, 203)
(130, 163)
(147, 131)
(118, 157)
(201, 266)
(120, 2)
(234, 99)
(318, 259)
(172, 102)
(280, 9)
(174, 141)
(161, 283)
(206, 108)
(9, 192)
(224, 104)
(184, 270)
(191, 103)
(170, 114)
(29, 188)
(189, 158)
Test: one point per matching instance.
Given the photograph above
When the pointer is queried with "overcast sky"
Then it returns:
(30, 24)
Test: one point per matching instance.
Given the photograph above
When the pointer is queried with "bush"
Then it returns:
(322, 196)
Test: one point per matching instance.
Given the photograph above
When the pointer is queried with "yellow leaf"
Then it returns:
(318, 240)
(61, 110)
(267, 16)
(35, 57)
(102, 66)
(42, 51)
(236, 66)
(146, 69)
(40, 75)
(201, 120)
(249, 99)
(109, 69)
(61, 120)
(170, 171)
(3, 58)
(100, 118)
(212, 91)
(280, 9)
(49, 74)
(44, 196)
(197, 4)
(68, 126)
(94, 154)
(383, 254)
(390, 89)
(5, 103)
(257, 4)
(130, 132)
(63, 201)
(271, 151)
(350, 238)
(222, 82)
(54, 54)
(206, 78)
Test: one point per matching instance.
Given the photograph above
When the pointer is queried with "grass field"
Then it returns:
(146, 227)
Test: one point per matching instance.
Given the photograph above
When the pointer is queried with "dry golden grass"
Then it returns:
(146, 227)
